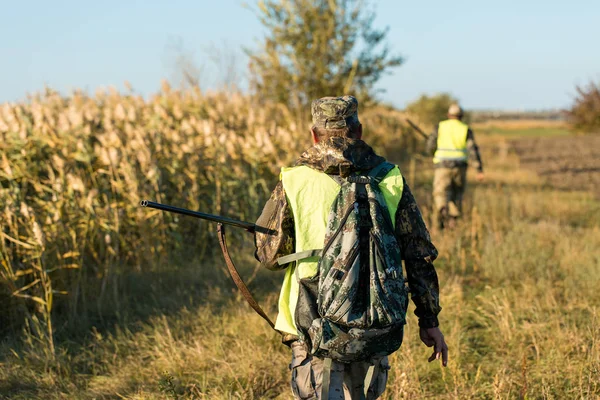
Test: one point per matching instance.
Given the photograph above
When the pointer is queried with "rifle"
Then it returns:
(248, 226)
(221, 222)
(416, 128)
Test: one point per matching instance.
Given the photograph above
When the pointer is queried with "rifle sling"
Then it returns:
(237, 279)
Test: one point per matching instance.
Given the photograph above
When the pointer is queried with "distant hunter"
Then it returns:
(452, 144)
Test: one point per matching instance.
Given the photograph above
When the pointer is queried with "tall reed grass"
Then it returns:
(73, 170)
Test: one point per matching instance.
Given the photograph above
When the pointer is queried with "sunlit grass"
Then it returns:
(149, 301)
(524, 132)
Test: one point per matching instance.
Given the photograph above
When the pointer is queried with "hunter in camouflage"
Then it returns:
(361, 293)
(339, 152)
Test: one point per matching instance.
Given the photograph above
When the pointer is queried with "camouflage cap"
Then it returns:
(455, 110)
(335, 112)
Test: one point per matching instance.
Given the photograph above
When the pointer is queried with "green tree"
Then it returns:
(316, 48)
(430, 110)
(584, 115)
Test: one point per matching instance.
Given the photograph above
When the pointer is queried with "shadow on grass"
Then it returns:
(130, 301)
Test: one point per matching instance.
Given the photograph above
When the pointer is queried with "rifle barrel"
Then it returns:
(209, 217)
(416, 128)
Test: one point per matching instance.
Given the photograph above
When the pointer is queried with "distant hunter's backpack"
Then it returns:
(354, 308)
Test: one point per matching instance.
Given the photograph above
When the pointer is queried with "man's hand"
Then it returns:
(480, 177)
(432, 337)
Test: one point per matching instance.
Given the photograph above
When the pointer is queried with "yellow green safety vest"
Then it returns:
(310, 194)
(452, 141)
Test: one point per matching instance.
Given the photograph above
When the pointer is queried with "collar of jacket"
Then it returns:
(340, 156)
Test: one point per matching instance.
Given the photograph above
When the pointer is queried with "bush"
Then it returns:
(584, 115)
(430, 110)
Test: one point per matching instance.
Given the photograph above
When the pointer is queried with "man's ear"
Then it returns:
(314, 136)
(359, 131)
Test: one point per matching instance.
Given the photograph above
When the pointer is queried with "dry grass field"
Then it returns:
(564, 162)
(119, 303)
(521, 124)
(522, 128)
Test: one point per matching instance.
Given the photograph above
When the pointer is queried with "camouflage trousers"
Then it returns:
(347, 380)
(448, 188)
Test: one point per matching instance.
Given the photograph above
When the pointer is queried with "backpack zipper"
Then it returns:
(389, 271)
(351, 259)
(385, 213)
(339, 229)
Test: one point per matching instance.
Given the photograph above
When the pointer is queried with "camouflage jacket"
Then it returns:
(345, 156)
(474, 155)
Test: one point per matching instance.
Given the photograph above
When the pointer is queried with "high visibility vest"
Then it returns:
(310, 194)
(452, 141)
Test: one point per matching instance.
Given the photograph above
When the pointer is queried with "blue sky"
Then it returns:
(526, 54)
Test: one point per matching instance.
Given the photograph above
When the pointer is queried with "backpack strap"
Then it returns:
(375, 176)
(326, 380)
(299, 256)
(380, 171)
(371, 374)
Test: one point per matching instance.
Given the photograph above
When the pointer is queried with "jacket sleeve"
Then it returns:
(276, 217)
(474, 151)
(432, 141)
(418, 253)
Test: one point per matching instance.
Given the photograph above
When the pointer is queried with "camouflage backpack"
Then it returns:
(354, 308)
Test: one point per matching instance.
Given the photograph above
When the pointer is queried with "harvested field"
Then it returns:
(571, 163)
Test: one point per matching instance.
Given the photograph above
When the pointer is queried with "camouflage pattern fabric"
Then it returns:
(340, 156)
(361, 293)
(335, 112)
(343, 156)
(347, 380)
(449, 185)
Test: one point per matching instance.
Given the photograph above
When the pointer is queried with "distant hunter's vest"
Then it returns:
(310, 194)
(452, 141)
